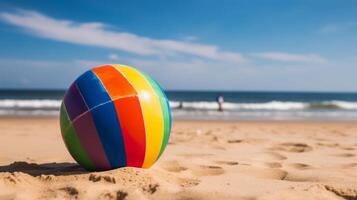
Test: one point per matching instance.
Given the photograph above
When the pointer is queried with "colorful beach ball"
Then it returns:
(115, 116)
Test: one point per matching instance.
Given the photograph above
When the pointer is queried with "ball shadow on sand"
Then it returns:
(33, 169)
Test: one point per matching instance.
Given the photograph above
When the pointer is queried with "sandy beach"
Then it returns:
(204, 160)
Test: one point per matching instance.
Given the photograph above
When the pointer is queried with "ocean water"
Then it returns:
(203, 105)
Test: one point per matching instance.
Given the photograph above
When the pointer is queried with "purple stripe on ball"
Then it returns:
(74, 102)
(88, 136)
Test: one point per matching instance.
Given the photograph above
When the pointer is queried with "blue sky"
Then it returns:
(186, 45)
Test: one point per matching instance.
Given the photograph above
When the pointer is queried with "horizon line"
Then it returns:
(194, 90)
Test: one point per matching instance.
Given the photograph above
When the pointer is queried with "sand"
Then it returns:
(204, 160)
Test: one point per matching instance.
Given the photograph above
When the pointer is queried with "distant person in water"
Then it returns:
(220, 101)
(180, 106)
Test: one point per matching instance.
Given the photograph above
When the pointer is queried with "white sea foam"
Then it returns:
(196, 105)
(208, 109)
(273, 105)
(33, 103)
(341, 104)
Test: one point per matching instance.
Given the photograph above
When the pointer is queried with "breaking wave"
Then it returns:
(206, 109)
(273, 105)
(29, 104)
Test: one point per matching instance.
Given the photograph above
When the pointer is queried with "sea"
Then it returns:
(202, 105)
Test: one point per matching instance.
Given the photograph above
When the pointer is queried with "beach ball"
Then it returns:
(115, 116)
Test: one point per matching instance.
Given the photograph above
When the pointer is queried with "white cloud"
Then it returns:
(288, 57)
(113, 56)
(99, 34)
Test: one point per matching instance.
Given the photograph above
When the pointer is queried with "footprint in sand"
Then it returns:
(173, 166)
(207, 170)
(300, 166)
(274, 164)
(226, 162)
(197, 155)
(292, 147)
(302, 177)
(277, 156)
(348, 148)
(345, 155)
(247, 141)
(232, 141)
(264, 173)
(330, 145)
